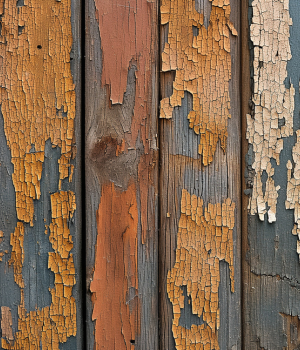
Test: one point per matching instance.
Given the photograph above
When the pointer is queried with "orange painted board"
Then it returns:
(40, 196)
(121, 160)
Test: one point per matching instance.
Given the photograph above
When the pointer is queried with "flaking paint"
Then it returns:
(273, 102)
(203, 68)
(53, 324)
(37, 99)
(293, 186)
(37, 92)
(204, 238)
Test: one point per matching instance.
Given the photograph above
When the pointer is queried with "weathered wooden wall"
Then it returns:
(170, 253)
(199, 255)
(40, 175)
(122, 174)
(271, 264)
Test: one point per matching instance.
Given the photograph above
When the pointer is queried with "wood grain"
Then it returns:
(121, 174)
(270, 260)
(40, 132)
(182, 170)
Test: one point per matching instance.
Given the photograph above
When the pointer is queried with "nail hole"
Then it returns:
(39, 47)
(132, 341)
(195, 31)
(209, 251)
(20, 29)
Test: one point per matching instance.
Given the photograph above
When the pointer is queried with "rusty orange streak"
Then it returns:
(115, 283)
(127, 30)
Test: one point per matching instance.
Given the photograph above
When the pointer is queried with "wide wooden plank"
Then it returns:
(271, 266)
(40, 175)
(121, 174)
(200, 176)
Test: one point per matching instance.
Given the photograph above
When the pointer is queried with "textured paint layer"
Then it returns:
(115, 283)
(37, 92)
(293, 189)
(203, 68)
(273, 103)
(52, 325)
(37, 99)
(203, 240)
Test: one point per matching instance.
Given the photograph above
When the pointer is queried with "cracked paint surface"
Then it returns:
(203, 68)
(204, 239)
(273, 103)
(37, 92)
(53, 324)
(116, 262)
(37, 99)
(293, 188)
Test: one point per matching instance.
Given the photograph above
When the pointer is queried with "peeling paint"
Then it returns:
(203, 240)
(37, 97)
(203, 68)
(293, 187)
(53, 324)
(122, 49)
(37, 92)
(115, 282)
(273, 103)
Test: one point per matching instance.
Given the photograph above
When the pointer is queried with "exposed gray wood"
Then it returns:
(181, 168)
(37, 276)
(271, 270)
(122, 159)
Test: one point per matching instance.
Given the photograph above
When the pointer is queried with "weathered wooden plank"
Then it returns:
(200, 176)
(271, 265)
(40, 220)
(121, 174)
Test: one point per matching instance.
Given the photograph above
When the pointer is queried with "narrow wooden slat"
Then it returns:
(199, 182)
(271, 266)
(121, 174)
(40, 175)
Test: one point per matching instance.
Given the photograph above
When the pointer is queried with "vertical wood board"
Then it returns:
(271, 263)
(200, 176)
(40, 194)
(121, 174)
